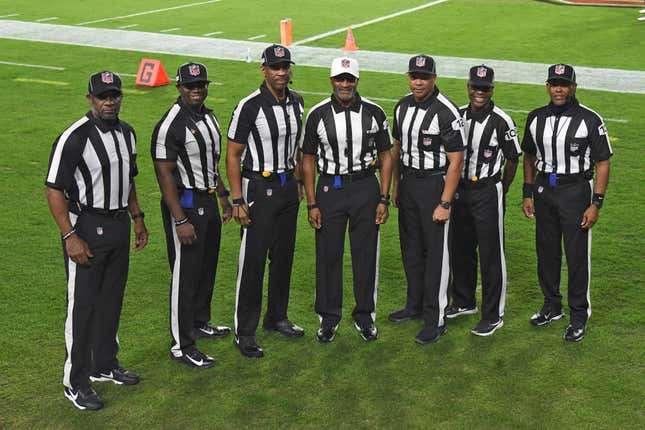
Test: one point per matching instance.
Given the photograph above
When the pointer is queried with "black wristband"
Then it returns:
(597, 200)
(238, 202)
(527, 191)
(384, 201)
(141, 215)
(224, 193)
(181, 221)
(385, 197)
(312, 206)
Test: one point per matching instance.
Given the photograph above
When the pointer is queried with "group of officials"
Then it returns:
(450, 169)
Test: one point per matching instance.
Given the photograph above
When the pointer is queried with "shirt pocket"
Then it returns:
(429, 142)
(577, 145)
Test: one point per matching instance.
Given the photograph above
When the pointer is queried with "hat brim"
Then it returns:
(271, 63)
(106, 89)
(560, 78)
(486, 84)
(344, 72)
(422, 71)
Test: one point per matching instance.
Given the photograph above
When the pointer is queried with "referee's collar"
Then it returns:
(102, 125)
(480, 115)
(427, 102)
(264, 90)
(356, 106)
(197, 115)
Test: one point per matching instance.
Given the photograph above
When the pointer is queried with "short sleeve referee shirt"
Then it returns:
(346, 140)
(427, 131)
(94, 162)
(269, 128)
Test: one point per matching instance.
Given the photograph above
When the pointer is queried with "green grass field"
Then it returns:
(522, 377)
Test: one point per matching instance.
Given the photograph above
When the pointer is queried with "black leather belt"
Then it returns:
(354, 176)
(110, 213)
(559, 179)
(469, 183)
(266, 175)
(422, 173)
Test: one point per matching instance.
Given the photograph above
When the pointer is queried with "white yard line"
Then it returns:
(39, 66)
(51, 18)
(213, 33)
(259, 36)
(41, 81)
(123, 27)
(131, 75)
(371, 21)
(148, 12)
(592, 78)
(168, 30)
(9, 15)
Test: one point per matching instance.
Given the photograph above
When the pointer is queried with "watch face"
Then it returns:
(445, 205)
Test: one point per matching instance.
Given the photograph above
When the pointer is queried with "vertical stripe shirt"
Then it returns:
(94, 163)
(566, 142)
(193, 141)
(491, 137)
(269, 128)
(346, 140)
(427, 131)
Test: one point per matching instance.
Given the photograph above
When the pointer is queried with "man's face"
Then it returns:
(479, 96)
(344, 87)
(107, 105)
(277, 76)
(560, 91)
(193, 94)
(421, 84)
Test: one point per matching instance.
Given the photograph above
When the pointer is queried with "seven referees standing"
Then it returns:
(90, 189)
(429, 144)
(186, 147)
(260, 164)
(564, 141)
(348, 135)
(478, 209)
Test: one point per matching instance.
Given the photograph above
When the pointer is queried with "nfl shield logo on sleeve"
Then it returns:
(193, 69)
(481, 72)
(106, 77)
(420, 61)
(99, 231)
(278, 51)
(559, 69)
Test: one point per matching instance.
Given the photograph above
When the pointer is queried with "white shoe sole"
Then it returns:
(71, 399)
(103, 379)
(498, 326)
(555, 318)
(467, 312)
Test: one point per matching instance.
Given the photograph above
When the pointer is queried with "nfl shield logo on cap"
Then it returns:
(193, 69)
(106, 77)
(481, 71)
(345, 63)
(559, 69)
(278, 51)
(420, 61)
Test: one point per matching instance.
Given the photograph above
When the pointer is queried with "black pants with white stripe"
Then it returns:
(273, 210)
(558, 213)
(355, 202)
(193, 268)
(478, 223)
(94, 297)
(424, 246)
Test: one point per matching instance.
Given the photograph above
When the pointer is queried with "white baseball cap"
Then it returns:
(342, 65)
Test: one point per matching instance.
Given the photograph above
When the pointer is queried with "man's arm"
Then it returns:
(309, 176)
(456, 160)
(529, 181)
(234, 153)
(227, 209)
(385, 157)
(510, 168)
(76, 248)
(168, 187)
(140, 231)
(590, 217)
(298, 173)
(396, 171)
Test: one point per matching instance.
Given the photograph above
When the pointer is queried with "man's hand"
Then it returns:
(440, 214)
(381, 213)
(227, 210)
(186, 233)
(77, 250)
(527, 207)
(590, 217)
(315, 218)
(241, 214)
(140, 235)
(395, 195)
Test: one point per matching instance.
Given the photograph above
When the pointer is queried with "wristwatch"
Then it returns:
(444, 204)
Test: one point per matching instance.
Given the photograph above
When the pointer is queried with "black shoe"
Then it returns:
(286, 328)
(429, 334)
(118, 376)
(211, 332)
(453, 311)
(546, 315)
(85, 398)
(574, 333)
(404, 314)
(193, 357)
(368, 333)
(248, 346)
(327, 334)
(486, 328)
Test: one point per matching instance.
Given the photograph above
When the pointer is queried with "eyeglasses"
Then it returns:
(280, 66)
(195, 85)
(345, 78)
(112, 95)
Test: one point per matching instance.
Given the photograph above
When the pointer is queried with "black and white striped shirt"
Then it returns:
(193, 141)
(491, 137)
(94, 163)
(568, 142)
(427, 131)
(270, 128)
(346, 140)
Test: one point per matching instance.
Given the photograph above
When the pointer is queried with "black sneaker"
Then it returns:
(211, 332)
(84, 398)
(429, 334)
(248, 346)
(326, 334)
(574, 333)
(286, 328)
(193, 357)
(486, 328)
(368, 333)
(404, 314)
(546, 315)
(453, 311)
(118, 376)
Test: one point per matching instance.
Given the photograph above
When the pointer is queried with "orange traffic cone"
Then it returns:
(151, 74)
(350, 42)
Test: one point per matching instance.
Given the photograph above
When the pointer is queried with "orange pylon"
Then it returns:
(350, 42)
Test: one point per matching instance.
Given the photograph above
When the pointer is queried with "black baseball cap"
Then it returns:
(102, 82)
(422, 64)
(563, 72)
(191, 72)
(481, 76)
(275, 54)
